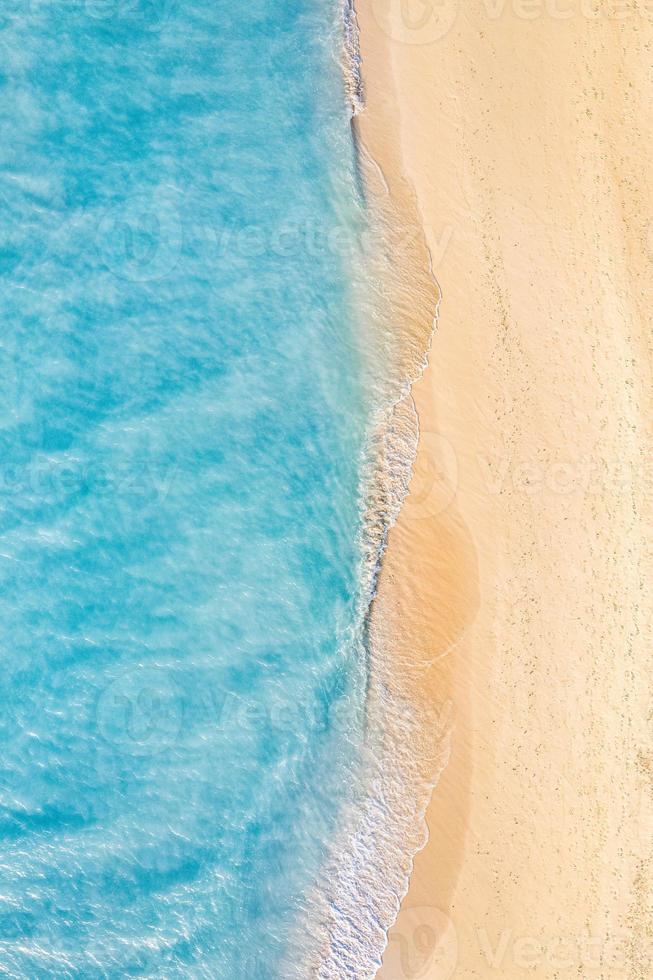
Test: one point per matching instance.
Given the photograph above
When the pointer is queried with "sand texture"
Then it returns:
(516, 583)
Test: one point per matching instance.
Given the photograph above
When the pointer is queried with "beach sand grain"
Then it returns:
(522, 598)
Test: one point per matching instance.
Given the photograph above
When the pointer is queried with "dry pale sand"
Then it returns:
(516, 581)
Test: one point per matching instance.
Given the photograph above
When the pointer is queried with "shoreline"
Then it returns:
(511, 591)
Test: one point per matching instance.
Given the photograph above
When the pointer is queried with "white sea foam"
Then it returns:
(406, 749)
(352, 59)
(406, 746)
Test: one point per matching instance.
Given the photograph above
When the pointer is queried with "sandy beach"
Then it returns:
(515, 587)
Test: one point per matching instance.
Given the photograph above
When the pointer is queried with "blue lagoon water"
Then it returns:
(182, 423)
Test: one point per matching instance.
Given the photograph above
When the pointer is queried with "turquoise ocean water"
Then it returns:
(182, 422)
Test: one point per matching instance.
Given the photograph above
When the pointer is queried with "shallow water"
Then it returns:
(182, 422)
